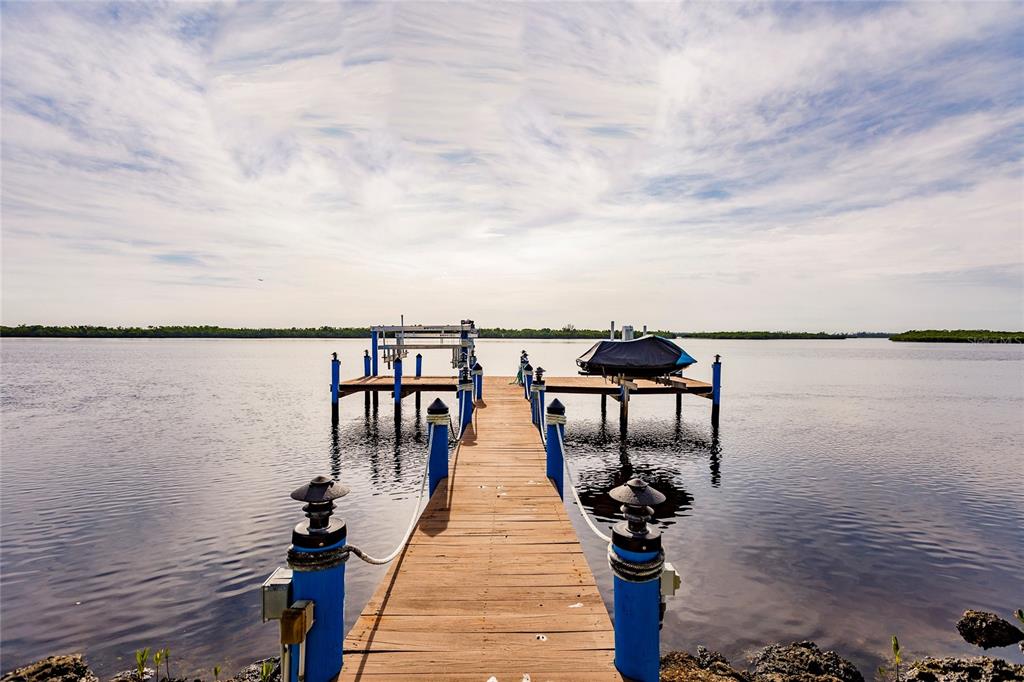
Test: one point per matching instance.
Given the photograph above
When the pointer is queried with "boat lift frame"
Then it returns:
(393, 342)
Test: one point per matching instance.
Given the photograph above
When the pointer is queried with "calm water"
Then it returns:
(856, 489)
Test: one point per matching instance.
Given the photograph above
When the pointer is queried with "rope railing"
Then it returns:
(352, 549)
(575, 493)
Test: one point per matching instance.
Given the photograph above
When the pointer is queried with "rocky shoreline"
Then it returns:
(796, 662)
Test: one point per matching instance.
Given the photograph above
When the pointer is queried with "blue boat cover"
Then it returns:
(648, 356)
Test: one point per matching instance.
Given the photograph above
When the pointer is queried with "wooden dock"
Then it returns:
(493, 582)
(575, 384)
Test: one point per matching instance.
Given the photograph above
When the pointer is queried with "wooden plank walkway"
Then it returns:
(493, 581)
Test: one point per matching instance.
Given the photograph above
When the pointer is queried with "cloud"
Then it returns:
(697, 166)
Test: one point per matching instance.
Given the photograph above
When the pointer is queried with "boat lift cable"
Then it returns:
(412, 521)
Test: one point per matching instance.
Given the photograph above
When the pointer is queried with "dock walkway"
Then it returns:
(493, 581)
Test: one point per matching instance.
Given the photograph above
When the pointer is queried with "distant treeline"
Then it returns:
(566, 332)
(959, 336)
(203, 331)
(759, 335)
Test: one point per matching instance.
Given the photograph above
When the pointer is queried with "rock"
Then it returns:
(706, 666)
(254, 672)
(976, 669)
(802, 662)
(987, 630)
(70, 668)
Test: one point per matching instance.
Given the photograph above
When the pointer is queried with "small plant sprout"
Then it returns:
(1019, 614)
(216, 673)
(265, 671)
(141, 658)
(167, 661)
(897, 656)
(158, 657)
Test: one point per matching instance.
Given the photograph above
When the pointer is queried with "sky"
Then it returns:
(801, 166)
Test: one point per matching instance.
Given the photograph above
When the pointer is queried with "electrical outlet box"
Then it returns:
(276, 593)
(670, 580)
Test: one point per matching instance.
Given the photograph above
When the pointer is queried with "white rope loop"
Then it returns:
(443, 418)
(412, 521)
(572, 484)
(555, 419)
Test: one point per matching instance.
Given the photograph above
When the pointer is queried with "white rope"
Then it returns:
(575, 492)
(412, 521)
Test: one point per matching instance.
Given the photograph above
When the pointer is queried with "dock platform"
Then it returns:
(493, 582)
(593, 385)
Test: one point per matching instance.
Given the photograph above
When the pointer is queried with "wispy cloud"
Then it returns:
(703, 165)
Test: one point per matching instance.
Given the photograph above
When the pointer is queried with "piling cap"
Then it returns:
(636, 493)
(528, 368)
(366, 353)
(478, 367)
(556, 407)
(334, 356)
(320, 489)
(539, 373)
(437, 407)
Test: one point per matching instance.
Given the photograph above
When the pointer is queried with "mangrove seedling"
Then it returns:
(265, 671)
(158, 657)
(216, 673)
(167, 662)
(141, 658)
(896, 656)
(1019, 615)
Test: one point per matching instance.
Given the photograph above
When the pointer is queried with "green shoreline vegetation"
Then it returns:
(566, 332)
(958, 336)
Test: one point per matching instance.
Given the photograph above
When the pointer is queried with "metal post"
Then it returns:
(366, 363)
(437, 420)
(335, 380)
(679, 404)
(637, 562)
(611, 331)
(398, 382)
(373, 351)
(555, 423)
(527, 380)
(604, 405)
(478, 381)
(465, 399)
(318, 575)
(419, 365)
(716, 388)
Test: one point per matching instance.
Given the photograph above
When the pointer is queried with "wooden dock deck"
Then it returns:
(493, 582)
(574, 384)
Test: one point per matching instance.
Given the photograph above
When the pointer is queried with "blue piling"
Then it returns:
(555, 454)
(318, 575)
(637, 562)
(419, 365)
(437, 463)
(478, 381)
(398, 382)
(537, 397)
(465, 399)
(366, 363)
(373, 350)
(527, 380)
(716, 388)
(335, 380)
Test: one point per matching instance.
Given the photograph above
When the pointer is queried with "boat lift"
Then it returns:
(393, 342)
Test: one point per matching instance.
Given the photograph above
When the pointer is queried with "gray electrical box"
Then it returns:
(276, 593)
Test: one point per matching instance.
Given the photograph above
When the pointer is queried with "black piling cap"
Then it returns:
(538, 374)
(636, 493)
(437, 407)
(320, 489)
(528, 368)
(419, 355)
(717, 357)
(478, 367)
(556, 407)
(464, 374)
(334, 356)
(320, 530)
